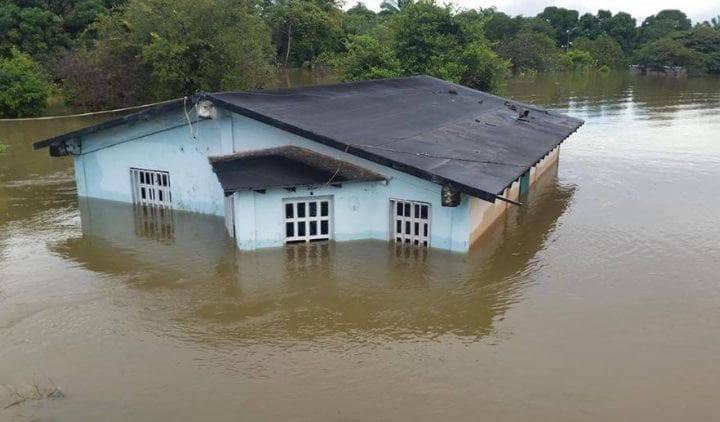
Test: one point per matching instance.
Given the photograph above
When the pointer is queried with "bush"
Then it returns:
(577, 60)
(107, 76)
(530, 50)
(367, 58)
(605, 51)
(24, 90)
(480, 68)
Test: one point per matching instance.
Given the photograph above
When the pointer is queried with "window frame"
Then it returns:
(419, 238)
(307, 219)
(157, 193)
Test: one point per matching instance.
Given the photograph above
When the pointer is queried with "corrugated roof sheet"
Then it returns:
(284, 167)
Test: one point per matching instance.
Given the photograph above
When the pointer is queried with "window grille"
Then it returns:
(151, 187)
(308, 219)
(410, 222)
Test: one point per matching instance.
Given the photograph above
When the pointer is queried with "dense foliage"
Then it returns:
(23, 88)
(157, 49)
(107, 53)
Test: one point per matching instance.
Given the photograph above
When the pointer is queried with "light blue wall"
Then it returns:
(361, 210)
(164, 143)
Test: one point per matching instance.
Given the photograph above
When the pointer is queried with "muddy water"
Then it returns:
(599, 301)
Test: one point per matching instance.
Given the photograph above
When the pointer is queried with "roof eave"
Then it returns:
(581, 122)
(144, 114)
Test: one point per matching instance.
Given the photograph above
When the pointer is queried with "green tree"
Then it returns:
(563, 21)
(530, 50)
(359, 20)
(24, 89)
(173, 55)
(605, 51)
(662, 24)
(705, 41)
(500, 26)
(669, 51)
(589, 26)
(541, 26)
(45, 28)
(303, 30)
(34, 30)
(424, 31)
(429, 39)
(622, 27)
(83, 14)
(368, 58)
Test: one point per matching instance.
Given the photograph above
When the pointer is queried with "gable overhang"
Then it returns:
(54, 143)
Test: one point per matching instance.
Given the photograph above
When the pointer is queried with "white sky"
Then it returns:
(697, 10)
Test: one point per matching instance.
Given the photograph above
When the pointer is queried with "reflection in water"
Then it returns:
(154, 223)
(359, 289)
(599, 94)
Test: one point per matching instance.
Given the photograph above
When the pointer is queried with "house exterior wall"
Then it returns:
(102, 170)
(361, 210)
(484, 214)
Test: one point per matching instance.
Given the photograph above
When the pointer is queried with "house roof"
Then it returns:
(446, 133)
(285, 167)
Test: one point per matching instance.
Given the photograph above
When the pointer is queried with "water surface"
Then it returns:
(599, 301)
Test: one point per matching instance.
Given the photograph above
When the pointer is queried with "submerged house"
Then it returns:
(414, 160)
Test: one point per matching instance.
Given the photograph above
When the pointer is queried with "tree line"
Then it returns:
(113, 53)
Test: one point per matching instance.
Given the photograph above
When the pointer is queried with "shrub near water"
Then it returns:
(24, 91)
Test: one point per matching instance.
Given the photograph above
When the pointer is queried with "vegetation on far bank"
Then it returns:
(113, 53)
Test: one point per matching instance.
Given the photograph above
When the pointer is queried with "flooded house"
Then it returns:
(414, 160)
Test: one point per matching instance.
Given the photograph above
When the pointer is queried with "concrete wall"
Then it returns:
(484, 214)
(361, 210)
(165, 143)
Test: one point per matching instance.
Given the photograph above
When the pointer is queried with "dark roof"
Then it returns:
(449, 134)
(427, 127)
(284, 167)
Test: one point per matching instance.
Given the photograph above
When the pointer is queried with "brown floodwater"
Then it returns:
(600, 301)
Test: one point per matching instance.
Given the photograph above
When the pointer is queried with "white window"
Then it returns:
(308, 219)
(410, 222)
(151, 187)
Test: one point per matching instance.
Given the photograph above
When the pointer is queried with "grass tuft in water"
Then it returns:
(13, 396)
